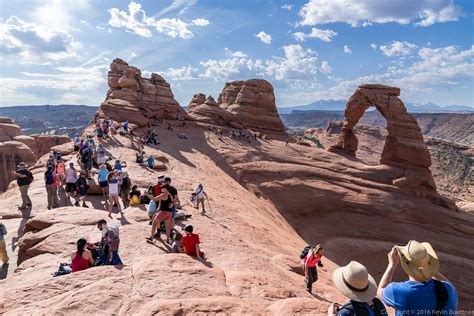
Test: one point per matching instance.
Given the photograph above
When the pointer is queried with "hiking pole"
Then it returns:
(209, 204)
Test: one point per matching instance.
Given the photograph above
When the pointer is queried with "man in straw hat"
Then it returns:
(426, 292)
(355, 283)
(23, 178)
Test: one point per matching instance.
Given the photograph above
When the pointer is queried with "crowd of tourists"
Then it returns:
(426, 292)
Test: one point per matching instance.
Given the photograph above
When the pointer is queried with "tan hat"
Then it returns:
(418, 260)
(355, 282)
(22, 165)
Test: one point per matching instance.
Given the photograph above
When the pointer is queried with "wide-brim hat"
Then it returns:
(418, 260)
(355, 282)
(22, 165)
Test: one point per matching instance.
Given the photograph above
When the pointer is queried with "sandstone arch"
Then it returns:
(404, 146)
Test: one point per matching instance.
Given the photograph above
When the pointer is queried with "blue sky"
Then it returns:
(57, 52)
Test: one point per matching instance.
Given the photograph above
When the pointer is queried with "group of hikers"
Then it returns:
(245, 135)
(427, 291)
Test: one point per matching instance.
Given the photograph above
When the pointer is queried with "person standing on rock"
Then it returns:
(165, 200)
(102, 179)
(101, 158)
(24, 178)
(125, 187)
(82, 187)
(427, 292)
(200, 195)
(309, 263)
(113, 182)
(51, 183)
(3, 247)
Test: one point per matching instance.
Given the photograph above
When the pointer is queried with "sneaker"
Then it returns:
(85, 205)
(76, 204)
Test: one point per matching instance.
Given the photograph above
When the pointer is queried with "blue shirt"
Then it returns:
(103, 175)
(150, 161)
(417, 298)
(118, 166)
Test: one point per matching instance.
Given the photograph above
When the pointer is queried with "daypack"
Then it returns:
(358, 309)
(441, 296)
(49, 178)
(85, 156)
(113, 237)
(135, 200)
(64, 268)
(29, 177)
(305, 251)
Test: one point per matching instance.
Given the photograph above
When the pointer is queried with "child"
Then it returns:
(193, 199)
(191, 242)
(177, 246)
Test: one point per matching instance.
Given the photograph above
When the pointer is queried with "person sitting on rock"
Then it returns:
(134, 196)
(177, 246)
(191, 242)
(427, 291)
(118, 165)
(82, 186)
(150, 162)
(140, 157)
(309, 263)
(355, 283)
(82, 257)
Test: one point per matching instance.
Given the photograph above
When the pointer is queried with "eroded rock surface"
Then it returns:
(404, 146)
(136, 99)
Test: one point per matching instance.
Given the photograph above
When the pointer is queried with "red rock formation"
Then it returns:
(136, 99)
(15, 148)
(249, 104)
(404, 146)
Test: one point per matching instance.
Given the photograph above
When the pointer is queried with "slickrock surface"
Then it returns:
(136, 99)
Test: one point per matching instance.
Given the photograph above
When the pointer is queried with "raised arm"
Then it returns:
(393, 260)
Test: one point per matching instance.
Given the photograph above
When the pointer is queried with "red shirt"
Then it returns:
(157, 190)
(189, 242)
(313, 261)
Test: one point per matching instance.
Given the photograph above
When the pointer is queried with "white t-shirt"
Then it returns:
(113, 187)
(200, 193)
(71, 175)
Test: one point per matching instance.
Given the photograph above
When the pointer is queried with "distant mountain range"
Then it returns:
(339, 105)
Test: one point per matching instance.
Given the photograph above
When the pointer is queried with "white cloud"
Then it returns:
(298, 63)
(347, 49)
(264, 37)
(136, 21)
(84, 22)
(183, 73)
(325, 35)
(238, 54)
(226, 68)
(373, 46)
(397, 48)
(201, 22)
(132, 56)
(360, 12)
(57, 13)
(182, 5)
(325, 68)
(287, 7)
(68, 84)
(30, 42)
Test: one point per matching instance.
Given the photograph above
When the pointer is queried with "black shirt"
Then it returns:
(172, 190)
(23, 181)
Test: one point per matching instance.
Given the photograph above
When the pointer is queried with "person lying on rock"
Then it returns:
(191, 242)
(81, 257)
(355, 283)
(309, 263)
(427, 292)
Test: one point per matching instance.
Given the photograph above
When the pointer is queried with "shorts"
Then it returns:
(151, 209)
(101, 160)
(173, 212)
(71, 187)
(89, 165)
(163, 216)
(103, 184)
(113, 195)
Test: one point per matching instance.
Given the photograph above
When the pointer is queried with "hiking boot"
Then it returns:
(76, 204)
(85, 205)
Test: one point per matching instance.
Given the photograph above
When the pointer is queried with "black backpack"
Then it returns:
(305, 251)
(358, 309)
(441, 296)
(29, 177)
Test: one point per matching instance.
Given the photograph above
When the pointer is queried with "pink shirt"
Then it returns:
(313, 261)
